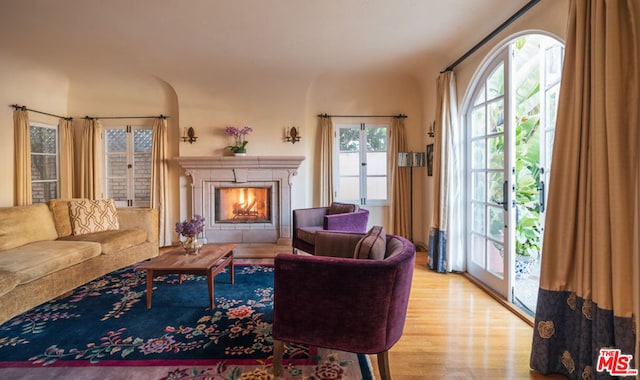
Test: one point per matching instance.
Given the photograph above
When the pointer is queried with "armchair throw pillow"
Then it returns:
(89, 216)
(373, 245)
(341, 208)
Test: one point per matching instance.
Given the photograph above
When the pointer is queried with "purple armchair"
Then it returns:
(347, 304)
(337, 217)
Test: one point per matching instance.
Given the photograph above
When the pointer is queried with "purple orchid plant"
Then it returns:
(239, 137)
(191, 227)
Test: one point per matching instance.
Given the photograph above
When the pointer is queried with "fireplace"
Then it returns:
(243, 205)
(243, 199)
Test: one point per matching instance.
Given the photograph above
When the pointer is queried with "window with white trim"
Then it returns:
(360, 170)
(45, 184)
(128, 165)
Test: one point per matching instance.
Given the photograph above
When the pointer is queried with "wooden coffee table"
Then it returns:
(211, 260)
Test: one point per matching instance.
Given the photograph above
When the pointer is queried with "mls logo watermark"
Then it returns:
(613, 361)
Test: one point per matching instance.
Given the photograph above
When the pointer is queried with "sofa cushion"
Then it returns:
(373, 245)
(60, 210)
(8, 281)
(113, 240)
(341, 208)
(89, 215)
(308, 234)
(34, 260)
(22, 225)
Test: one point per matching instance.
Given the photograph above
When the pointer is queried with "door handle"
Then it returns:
(505, 189)
(541, 194)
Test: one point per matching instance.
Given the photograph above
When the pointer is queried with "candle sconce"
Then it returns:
(189, 135)
(292, 135)
(432, 129)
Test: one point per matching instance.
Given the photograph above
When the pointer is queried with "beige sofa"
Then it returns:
(46, 250)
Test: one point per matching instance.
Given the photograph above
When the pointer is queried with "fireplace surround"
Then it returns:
(243, 199)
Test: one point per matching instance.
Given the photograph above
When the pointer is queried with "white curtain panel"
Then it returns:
(446, 235)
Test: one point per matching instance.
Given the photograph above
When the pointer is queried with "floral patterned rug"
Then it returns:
(104, 330)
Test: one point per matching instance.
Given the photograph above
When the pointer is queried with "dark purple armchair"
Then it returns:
(347, 304)
(337, 217)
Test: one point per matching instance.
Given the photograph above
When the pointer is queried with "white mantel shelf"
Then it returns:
(240, 162)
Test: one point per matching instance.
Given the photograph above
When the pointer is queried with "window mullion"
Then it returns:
(363, 163)
(130, 168)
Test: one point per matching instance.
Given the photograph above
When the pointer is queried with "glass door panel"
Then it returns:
(487, 185)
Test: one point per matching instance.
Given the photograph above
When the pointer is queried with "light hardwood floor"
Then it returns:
(453, 330)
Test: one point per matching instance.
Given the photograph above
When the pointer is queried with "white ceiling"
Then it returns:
(192, 40)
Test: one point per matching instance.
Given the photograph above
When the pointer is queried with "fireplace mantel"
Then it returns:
(218, 162)
(210, 172)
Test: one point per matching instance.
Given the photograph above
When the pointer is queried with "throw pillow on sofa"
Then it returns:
(89, 216)
(373, 245)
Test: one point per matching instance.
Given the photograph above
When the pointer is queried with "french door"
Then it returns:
(510, 124)
(490, 172)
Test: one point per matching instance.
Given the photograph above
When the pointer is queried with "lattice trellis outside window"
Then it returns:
(128, 165)
(44, 162)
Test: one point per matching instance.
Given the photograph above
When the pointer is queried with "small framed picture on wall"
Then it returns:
(430, 160)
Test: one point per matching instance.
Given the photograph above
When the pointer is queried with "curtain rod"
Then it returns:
(499, 29)
(399, 116)
(24, 108)
(126, 117)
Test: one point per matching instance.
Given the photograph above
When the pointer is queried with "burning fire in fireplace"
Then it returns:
(243, 204)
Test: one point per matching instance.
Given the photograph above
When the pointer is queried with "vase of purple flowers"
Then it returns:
(190, 229)
(239, 136)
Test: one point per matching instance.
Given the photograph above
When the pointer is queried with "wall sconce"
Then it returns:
(189, 135)
(432, 129)
(292, 135)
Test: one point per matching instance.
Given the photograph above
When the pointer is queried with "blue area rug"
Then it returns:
(105, 323)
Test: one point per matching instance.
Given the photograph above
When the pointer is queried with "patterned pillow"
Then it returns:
(373, 245)
(89, 216)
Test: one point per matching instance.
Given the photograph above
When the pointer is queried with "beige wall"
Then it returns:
(270, 104)
(266, 102)
(37, 87)
(126, 94)
(548, 16)
(369, 94)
